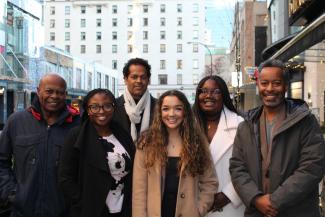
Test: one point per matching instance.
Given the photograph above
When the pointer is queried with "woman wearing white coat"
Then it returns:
(218, 118)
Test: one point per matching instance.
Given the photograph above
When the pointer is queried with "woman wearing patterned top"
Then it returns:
(173, 173)
(95, 170)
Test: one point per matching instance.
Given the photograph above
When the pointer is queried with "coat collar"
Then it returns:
(223, 138)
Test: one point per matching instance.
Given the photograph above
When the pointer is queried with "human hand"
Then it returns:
(220, 200)
(264, 205)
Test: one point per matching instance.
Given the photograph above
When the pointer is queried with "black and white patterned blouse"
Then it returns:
(119, 164)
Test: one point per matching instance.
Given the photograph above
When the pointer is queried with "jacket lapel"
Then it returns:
(222, 139)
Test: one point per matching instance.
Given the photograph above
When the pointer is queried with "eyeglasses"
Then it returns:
(213, 92)
(95, 108)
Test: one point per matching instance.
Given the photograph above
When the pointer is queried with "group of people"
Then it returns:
(145, 157)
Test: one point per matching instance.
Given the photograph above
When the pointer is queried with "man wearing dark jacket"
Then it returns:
(30, 146)
(279, 152)
(134, 109)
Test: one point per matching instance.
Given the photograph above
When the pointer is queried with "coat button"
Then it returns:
(182, 195)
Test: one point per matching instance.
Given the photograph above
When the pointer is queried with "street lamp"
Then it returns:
(207, 47)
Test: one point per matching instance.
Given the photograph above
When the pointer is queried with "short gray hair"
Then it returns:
(277, 64)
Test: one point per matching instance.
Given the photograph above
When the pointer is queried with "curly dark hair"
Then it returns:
(199, 115)
(195, 153)
(136, 61)
(89, 95)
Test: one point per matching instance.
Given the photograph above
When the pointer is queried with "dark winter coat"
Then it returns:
(29, 155)
(297, 162)
(84, 174)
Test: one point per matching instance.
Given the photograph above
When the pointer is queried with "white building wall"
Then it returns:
(154, 28)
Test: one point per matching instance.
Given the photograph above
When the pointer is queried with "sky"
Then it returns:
(219, 19)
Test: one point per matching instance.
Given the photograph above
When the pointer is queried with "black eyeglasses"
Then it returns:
(95, 108)
(205, 91)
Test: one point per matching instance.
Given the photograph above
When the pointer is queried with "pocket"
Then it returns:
(57, 153)
(25, 155)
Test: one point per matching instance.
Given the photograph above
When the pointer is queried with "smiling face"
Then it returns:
(52, 93)
(172, 112)
(137, 81)
(100, 110)
(210, 97)
(272, 86)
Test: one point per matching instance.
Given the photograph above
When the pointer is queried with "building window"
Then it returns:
(98, 35)
(162, 35)
(162, 48)
(114, 35)
(179, 21)
(67, 23)
(179, 8)
(195, 21)
(114, 64)
(52, 36)
(145, 8)
(195, 47)
(67, 10)
(67, 36)
(130, 34)
(145, 21)
(114, 22)
(130, 8)
(98, 22)
(114, 9)
(162, 64)
(78, 78)
(98, 48)
(130, 48)
(179, 48)
(195, 7)
(99, 80)
(162, 79)
(179, 79)
(145, 35)
(83, 9)
(162, 8)
(52, 23)
(67, 48)
(162, 21)
(82, 36)
(179, 64)
(114, 48)
(130, 22)
(145, 48)
(83, 23)
(82, 48)
(195, 34)
(195, 64)
(90, 80)
(52, 10)
(179, 34)
(195, 78)
(98, 9)
(107, 81)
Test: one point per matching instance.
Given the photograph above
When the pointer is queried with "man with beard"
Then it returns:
(279, 152)
(30, 146)
(134, 109)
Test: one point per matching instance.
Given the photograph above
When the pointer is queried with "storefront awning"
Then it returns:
(309, 36)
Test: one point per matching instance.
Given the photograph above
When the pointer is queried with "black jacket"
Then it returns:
(121, 117)
(84, 174)
(297, 162)
(34, 147)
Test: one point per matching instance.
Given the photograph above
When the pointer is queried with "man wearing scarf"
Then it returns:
(30, 145)
(134, 109)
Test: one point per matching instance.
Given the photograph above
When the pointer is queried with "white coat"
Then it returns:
(221, 150)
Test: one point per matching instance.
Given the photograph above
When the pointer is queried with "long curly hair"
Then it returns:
(195, 154)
